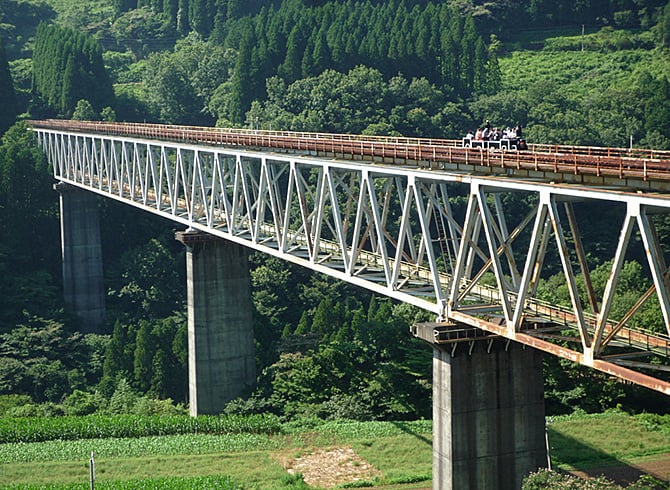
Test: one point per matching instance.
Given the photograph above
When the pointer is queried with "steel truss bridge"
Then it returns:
(426, 222)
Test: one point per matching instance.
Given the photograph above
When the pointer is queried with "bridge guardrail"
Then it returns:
(619, 163)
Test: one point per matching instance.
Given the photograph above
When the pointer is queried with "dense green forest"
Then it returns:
(399, 67)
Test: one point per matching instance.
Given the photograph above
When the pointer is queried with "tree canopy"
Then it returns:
(68, 67)
(401, 67)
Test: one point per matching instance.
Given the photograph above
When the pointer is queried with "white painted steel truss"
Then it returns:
(441, 241)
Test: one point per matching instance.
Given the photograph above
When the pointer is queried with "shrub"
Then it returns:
(83, 403)
(545, 479)
(8, 402)
(294, 482)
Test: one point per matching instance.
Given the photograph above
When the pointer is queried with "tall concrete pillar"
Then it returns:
(488, 412)
(83, 286)
(220, 332)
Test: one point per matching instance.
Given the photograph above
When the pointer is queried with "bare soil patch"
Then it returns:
(330, 467)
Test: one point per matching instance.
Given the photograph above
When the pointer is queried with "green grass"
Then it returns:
(254, 468)
(588, 441)
(402, 452)
(611, 58)
(580, 72)
(401, 458)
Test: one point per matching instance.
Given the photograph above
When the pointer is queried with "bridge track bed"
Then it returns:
(558, 162)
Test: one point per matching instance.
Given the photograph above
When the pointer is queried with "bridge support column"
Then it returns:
(488, 409)
(81, 250)
(221, 356)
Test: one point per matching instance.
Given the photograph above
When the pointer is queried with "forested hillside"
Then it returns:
(399, 67)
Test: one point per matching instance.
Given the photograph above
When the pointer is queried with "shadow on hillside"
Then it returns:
(590, 462)
(407, 429)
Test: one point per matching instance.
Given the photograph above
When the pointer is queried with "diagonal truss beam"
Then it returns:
(411, 234)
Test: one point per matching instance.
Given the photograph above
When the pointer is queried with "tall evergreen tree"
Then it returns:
(321, 58)
(7, 95)
(493, 74)
(145, 350)
(291, 69)
(242, 81)
(662, 28)
(182, 17)
(468, 56)
(170, 8)
(199, 18)
(480, 62)
(450, 55)
(70, 78)
(116, 364)
(124, 5)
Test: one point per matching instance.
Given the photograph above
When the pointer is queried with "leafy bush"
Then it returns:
(655, 422)
(8, 402)
(545, 479)
(83, 403)
(47, 409)
(294, 481)
(37, 429)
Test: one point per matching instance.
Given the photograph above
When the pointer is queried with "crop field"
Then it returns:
(220, 454)
(242, 460)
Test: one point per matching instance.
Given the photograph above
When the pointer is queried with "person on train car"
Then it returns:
(517, 130)
(470, 134)
(478, 134)
(486, 133)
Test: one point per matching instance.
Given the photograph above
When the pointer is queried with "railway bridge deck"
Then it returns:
(377, 212)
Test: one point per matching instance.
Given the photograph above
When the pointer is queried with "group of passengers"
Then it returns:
(486, 133)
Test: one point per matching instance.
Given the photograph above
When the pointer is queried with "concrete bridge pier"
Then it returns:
(488, 409)
(221, 355)
(81, 250)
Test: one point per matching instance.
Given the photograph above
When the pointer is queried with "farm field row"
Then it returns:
(379, 454)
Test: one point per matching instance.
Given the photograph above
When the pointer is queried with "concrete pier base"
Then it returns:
(222, 364)
(83, 285)
(488, 412)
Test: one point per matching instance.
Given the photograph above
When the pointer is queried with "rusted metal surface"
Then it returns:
(608, 366)
(631, 166)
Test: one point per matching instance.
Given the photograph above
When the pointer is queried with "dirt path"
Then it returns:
(330, 467)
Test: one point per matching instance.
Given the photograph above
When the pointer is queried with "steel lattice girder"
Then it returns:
(394, 230)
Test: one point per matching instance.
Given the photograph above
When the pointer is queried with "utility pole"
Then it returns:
(92, 471)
